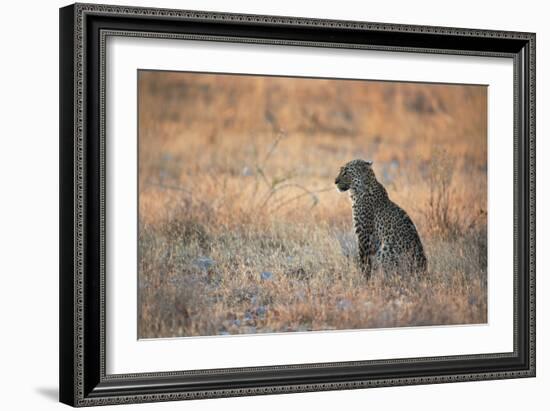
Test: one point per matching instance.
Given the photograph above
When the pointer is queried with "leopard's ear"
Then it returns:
(369, 162)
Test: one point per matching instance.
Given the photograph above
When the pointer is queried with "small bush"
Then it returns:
(441, 212)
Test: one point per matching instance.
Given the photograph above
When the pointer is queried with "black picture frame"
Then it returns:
(83, 29)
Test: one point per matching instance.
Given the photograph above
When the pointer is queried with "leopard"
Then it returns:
(387, 237)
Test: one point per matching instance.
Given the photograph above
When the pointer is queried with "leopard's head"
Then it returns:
(354, 175)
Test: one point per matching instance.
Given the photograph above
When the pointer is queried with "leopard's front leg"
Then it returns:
(366, 253)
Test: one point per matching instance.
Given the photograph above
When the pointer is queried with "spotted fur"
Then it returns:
(386, 235)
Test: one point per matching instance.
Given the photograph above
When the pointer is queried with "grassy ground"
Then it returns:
(242, 230)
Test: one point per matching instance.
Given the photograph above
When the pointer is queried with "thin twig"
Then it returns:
(274, 145)
(311, 193)
(291, 185)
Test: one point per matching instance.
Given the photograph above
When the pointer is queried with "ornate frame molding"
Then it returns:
(83, 378)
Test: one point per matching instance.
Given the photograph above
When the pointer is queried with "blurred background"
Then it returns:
(237, 204)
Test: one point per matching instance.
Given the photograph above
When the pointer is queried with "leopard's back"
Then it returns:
(399, 242)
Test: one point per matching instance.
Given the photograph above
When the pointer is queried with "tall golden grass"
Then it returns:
(241, 229)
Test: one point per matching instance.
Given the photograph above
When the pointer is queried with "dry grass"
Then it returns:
(242, 231)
